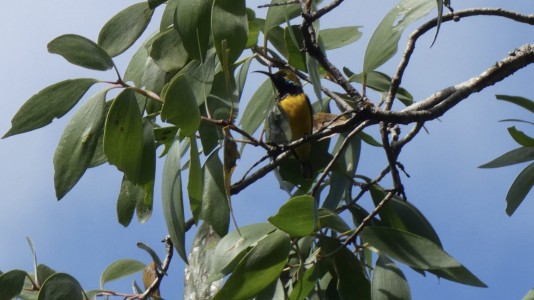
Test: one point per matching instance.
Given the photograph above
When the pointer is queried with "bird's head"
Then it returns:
(285, 81)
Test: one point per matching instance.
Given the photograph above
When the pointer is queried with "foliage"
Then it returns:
(181, 94)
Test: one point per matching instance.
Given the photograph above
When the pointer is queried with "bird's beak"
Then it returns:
(265, 73)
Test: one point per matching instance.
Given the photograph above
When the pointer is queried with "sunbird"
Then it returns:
(296, 106)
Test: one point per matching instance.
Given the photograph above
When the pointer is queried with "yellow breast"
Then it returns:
(299, 113)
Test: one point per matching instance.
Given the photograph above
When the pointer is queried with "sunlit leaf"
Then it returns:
(61, 286)
(180, 106)
(334, 38)
(78, 143)
(123, 29)
(384, 41)
(388, 281)
(330, 219)
(51, 102)
(81, 51)
(130, 194)
(119, 269)
(123, 135)
(520, 189)
(232, 247)
(261, 266)
(297, 217)
(253, 29)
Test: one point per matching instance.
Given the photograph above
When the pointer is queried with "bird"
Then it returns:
(296, 106)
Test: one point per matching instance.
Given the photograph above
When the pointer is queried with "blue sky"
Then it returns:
(80, 234)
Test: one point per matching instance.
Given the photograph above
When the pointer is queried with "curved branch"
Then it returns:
(456, 16)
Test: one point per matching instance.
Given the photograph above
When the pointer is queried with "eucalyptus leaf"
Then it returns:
(180, 106)
(388, 281)
(516, 156)
(192, 22)
(334, 38)
(130, 194)
(518, 100)
(297, 217)
(11, 283)
(520, 189)
(195, 183)
(77, 144)
(81, 51)
(258, 107)
(168, 51)
(119, 269)
(52, 102)
(520, 137)
(215, 206)
(61, 286)
(123, 29)
(229, 27)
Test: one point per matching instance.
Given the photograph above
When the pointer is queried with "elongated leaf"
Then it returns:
(215, 209)
(81, 51)
(294, 45)
(520, 137)
(339, 37)
(119, 269)
(155, 258)
(297, 217)
(517, 100)
(305, 284)
(52, 102)
(231, 249)
(258, 107)
(44, 272)
(351, 281)
(253, 29)
(261, 266)
(123, 29)
(408, 248)
(130, 194)
(195, 183)
(78, 143)
(11, 283)
(61, 286)
(330, 219)
(242, 76)
(192, 22)
(516, 156)
(167, 19)
(381, 82)
(171, 194)
(520, 189)
(388, 281)
(168, 51)
(384, 41)
(459, 274)
(136, 67)
(123, 135)
(197, 285)
(180, 106)
(278, 14)
(229, 26)
(200, 76)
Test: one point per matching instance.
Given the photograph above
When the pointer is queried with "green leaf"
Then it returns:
(148, 159)
(517, 100)
(242, 75)
(119, 269)
(261, 266)
(516, 156)
(305, 284)
(520, 137)
(330, 219)
(129, 195)
(403, 215)
(258, 107)
(384, 41)
(339, 37)
(459, 274)
(200, 76)
(153, 4)
(11, 283)
(381, 82)
(81, 51)
(520, 189)
(144, 207)
(351, 280)
(44, 272)
(313, 70)
(52, 102)
(440, 15)
(215, 208)
(388, 281)
(61, 286)
(200, 259)
(298, 217)
(293, 45)
(230, 29)
(274, 291)
(152, 253)
(136, 67)
(408, 248)
(168, 51)
(339, 185)
(123, 135)
(171, 194)
(529, 295)
(167, 19)
(195, 183)
(180, 106)
(77, 144)
(278, 14)
(192, 22)
(233, 246)
(123, 29)
(253, 29)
